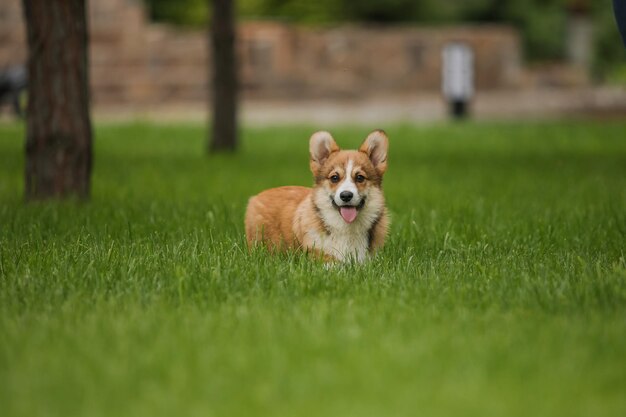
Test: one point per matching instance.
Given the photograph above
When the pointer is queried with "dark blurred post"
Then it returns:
(458, 77)
(58, 128)
(619, 6)
(13, 83)
(224, 95)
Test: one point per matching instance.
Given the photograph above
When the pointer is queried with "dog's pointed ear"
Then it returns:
(375, 147)
(321, 145)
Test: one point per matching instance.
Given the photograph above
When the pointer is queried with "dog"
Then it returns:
(342, 218)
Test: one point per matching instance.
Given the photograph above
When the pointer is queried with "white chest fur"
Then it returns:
(343, 245)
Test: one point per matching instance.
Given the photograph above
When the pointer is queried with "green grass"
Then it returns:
(501, 291)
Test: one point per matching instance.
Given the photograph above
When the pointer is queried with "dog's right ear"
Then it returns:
(375, 147)
(321, 145)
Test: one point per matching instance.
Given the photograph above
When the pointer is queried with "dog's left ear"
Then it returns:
(375, 146)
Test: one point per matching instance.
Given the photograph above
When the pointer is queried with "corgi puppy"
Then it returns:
(343, 217)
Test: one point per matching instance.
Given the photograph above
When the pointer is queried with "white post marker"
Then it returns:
(458, 77)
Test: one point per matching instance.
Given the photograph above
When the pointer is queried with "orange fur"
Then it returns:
(312, 219)
(270, 215)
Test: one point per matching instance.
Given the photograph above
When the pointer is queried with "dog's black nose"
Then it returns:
(346, 196)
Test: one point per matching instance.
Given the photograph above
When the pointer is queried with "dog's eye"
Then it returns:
(334, 178)
(360, 178)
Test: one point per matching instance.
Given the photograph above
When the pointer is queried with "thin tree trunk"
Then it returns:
(58, 128)
(224, 95)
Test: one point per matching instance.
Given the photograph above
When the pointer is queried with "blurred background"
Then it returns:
(350, 61)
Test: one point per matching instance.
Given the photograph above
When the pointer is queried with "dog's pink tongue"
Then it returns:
(348, 213)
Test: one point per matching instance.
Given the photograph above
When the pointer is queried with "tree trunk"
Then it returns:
(224, 97)
(58, 128)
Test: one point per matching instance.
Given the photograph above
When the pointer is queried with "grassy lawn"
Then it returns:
(501, 291)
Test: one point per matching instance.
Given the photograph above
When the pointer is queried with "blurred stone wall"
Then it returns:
(135, 62)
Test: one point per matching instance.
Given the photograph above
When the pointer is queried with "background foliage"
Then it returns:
(543, 23)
